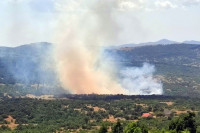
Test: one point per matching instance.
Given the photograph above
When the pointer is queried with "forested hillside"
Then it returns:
(24, 64)
(28, 69)
(177, 65)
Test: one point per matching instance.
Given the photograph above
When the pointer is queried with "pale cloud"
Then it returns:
(147, 5)
(70, 5)
(17, 1)
(190, 2)
(121, 5)
(165, 4)
(131, 4)
(24, 21)
(126, 5)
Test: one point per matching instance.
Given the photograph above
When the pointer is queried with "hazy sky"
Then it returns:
(28, 21)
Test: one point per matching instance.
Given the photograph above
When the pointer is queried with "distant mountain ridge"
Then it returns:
(177, 66)
(26, 49)
(25, 63)
(191, 42)
(159, 42)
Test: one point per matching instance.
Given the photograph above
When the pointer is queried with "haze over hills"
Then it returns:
(24, 62)
(191, 42)
(161, 42)
(177, 66)
(28, 69)
(85, 79)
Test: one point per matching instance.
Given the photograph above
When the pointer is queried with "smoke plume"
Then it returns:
(84, 30)
(84, 27)
(140, 81)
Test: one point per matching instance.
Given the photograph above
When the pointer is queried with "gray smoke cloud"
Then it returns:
(140, 80)
(84, 27)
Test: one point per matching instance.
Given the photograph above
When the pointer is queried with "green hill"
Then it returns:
(177, 65)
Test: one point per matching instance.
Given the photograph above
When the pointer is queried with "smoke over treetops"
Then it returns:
(84, 27)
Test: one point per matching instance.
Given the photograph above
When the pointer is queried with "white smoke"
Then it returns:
(83, 28)
(140, 80)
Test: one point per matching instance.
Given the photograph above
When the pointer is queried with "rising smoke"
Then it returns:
(140, 81)
(84, 27)
(87, 27)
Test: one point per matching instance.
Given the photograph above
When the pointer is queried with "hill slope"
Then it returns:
(159, 42)
(28, 69)
(24, 63)
(178, 65)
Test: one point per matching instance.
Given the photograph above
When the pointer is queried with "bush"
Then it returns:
(117, 128)
(103, 129)
(184, 122)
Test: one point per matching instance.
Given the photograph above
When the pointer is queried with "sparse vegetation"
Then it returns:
(178, 67)
(75, 114)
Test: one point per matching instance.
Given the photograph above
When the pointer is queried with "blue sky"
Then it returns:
(28, 21)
